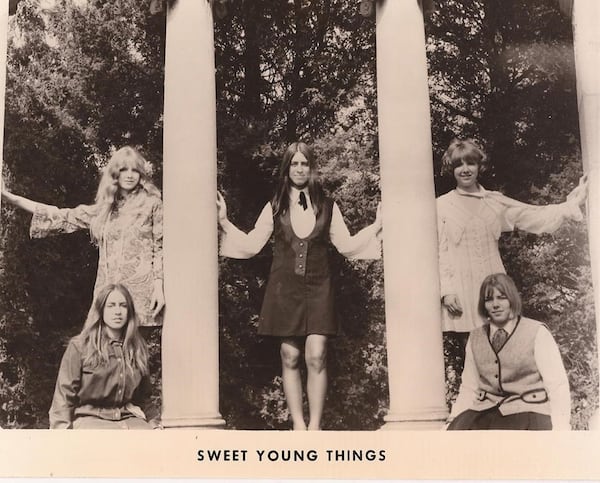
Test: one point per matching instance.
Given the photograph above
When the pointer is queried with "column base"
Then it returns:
(433, 420)
(210, 422)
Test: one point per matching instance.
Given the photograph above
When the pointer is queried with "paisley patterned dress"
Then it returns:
(130, 251)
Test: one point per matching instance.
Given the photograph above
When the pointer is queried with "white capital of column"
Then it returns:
(412, 298)
(190, 354)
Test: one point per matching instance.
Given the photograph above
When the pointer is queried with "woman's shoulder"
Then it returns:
(532, 323)
(152, 197)
(446, 198)
(77, 343)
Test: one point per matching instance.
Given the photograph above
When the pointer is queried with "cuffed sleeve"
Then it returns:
(364, 245)
(237, 244)
(141, 398)
(468, 386)
(549, 363)
(50, 220)
(68, 382)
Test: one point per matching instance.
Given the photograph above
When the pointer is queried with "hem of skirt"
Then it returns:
(303, 334)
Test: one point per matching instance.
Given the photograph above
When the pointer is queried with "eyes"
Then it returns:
(122, 170)
(295, 164)
(112, 305)
(490, 298)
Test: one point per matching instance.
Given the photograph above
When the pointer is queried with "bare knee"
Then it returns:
(316, 359)
(290, 356)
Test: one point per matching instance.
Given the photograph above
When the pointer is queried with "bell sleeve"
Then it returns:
(237, 244)
(66, 392)
(364, 245)
(50, 220)
(533, 218)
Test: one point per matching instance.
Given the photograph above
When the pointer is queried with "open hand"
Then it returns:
(378, 219)
(157, 300)
(221, 208)
(579, 194)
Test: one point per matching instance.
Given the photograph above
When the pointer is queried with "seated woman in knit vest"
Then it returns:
(514, 377)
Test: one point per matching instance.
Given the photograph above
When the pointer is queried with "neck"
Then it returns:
(113, 334)
(471, 189)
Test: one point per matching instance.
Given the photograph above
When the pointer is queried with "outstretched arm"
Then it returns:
(237, 244)
(542, 219)
(18, 201)
(364, 245)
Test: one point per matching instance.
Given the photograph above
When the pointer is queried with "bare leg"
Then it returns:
(292, 383)
(316, 363)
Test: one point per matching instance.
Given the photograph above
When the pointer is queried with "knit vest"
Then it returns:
(510, 378)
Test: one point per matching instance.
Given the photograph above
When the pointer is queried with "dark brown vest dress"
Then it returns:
(299, 295)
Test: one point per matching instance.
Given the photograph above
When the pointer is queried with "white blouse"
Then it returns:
(469, 226)
(364, 245)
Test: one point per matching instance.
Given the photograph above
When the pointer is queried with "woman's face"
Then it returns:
(498, 308)
(299, 170)
(115, 314)
(128, 179)
(466, 175)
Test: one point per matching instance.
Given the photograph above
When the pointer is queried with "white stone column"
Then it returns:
(412, 293)
(190, 347)
(586, 21)
(3, 41)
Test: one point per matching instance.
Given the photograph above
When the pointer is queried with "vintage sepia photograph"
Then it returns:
(371, 218)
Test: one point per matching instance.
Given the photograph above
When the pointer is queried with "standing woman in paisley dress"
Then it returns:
(125, 223)
(470, 221)
(298, 304)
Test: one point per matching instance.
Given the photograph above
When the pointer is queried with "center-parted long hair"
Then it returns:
(107, 196)
(96, 339)
(281, 198)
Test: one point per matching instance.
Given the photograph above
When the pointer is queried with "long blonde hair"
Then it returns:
(108, 189)
(96, 339)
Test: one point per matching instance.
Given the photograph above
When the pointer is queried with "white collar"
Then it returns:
(480, 193)
(295, 193)
(508, 327)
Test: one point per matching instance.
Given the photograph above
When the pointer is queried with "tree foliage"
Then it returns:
(82, 79)
(87, 76)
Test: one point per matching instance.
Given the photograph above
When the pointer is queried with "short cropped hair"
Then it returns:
(505, 285)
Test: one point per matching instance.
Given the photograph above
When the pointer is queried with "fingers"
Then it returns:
(157, 307)
(452, 304)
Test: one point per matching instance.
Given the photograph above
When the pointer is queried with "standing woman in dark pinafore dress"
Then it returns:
(298, 303)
